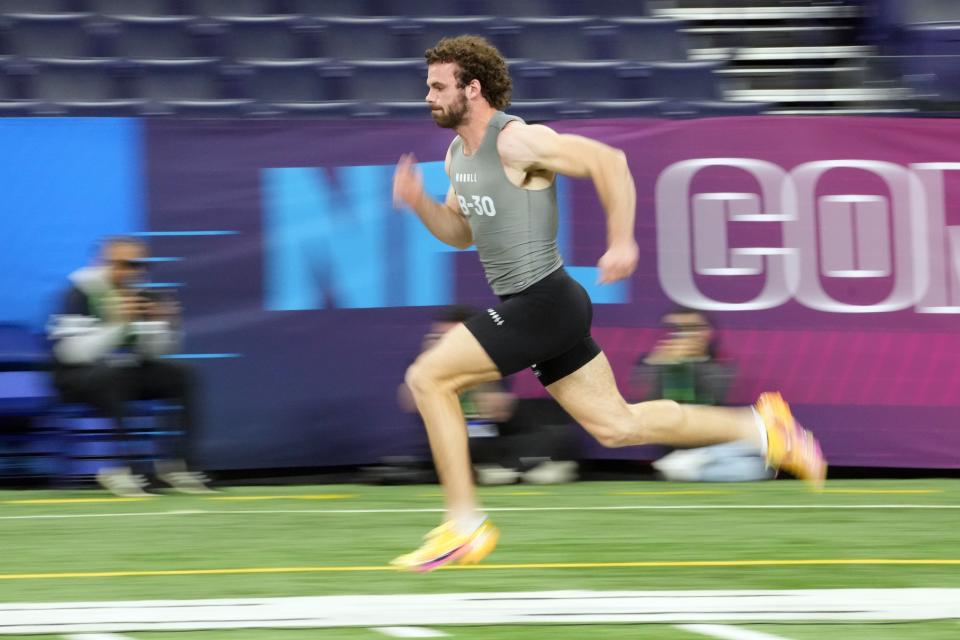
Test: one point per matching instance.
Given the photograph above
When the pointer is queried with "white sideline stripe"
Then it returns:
(491, 509)
(411, 632)
(724, 607)
(97, 636)
(630, 507)
(727, 633)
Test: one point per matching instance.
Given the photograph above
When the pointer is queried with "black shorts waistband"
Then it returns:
(557, 274)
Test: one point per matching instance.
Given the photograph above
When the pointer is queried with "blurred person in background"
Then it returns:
(508, 440)
(503, 199)
(107, 337)
(683, 366)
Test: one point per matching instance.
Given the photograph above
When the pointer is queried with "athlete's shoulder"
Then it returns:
(519, 139)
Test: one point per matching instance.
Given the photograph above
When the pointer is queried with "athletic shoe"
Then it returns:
(493, 474)
(175, 473)
(552, 472)
(120, 482)
(789, 446)
(190, 482)
(445, 545)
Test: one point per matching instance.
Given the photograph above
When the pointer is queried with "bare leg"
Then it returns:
(591, 397)
(455, 363)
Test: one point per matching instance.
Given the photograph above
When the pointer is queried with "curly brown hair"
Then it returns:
(476, 59)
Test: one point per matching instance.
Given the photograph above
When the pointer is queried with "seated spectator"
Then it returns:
(683, 366)
(106, 337)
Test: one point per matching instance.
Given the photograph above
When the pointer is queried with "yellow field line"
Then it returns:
(488, 567)
(677, 492)
(75, 500)
(881, 491)
(525, 493)
(317, 496)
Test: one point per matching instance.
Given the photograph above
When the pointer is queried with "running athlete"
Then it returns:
(503, 199)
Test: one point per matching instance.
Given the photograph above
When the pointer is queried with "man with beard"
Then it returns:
(503, 199)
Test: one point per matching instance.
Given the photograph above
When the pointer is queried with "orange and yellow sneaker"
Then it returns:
(445, 545)
(789, 446)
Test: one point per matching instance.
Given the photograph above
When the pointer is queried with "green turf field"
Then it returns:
(269, 542)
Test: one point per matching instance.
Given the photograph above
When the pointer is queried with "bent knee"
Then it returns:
(416, 377)
(421, 378)
(636, 426)
(611, 435)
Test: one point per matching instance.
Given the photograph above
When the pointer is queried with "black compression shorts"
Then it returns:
(545, 327)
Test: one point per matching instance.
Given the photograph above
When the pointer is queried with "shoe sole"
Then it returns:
(470, 552)
(787, 434)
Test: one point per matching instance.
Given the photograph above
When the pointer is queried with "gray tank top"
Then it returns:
(514, 229)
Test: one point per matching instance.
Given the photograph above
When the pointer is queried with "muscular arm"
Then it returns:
(534, 148)
(444, 220)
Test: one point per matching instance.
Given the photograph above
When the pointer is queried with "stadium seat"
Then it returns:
(152, 37)
(419, 8)
(684, 80)
(595, 80)
(618, 109)
(531, 80)
(134, 7)
(118, 108)
(936, 39)
(564, 38)
(10, 93)
(932, 77)
(16, 108)
(55, 35)
(25, 393)
(518, 8)
(406, 109)
(15, 83)
(74, 80)
(88, 441)
(643, 40)
(198, 81)
(227, 8)
(417, 35)
(388, 80)
(329, 109)
(927, 11)
(39, 6)
(352, 38)
(561, 7)
(20, 347)
(712, 108)
(24, 385)
(606, 8)
(212, 108)
(583, 80)
(285, 81)
(261, 38)
(8, 88)
(538, 110)
(332, 8)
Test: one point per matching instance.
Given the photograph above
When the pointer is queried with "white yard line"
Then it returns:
(637, 507)
(441, 609)
(411, 632)
(725, 632)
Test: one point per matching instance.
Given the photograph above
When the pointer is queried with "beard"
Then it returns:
(453, 116)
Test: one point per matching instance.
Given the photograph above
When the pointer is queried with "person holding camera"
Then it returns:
(683, 366)
(107, 338)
